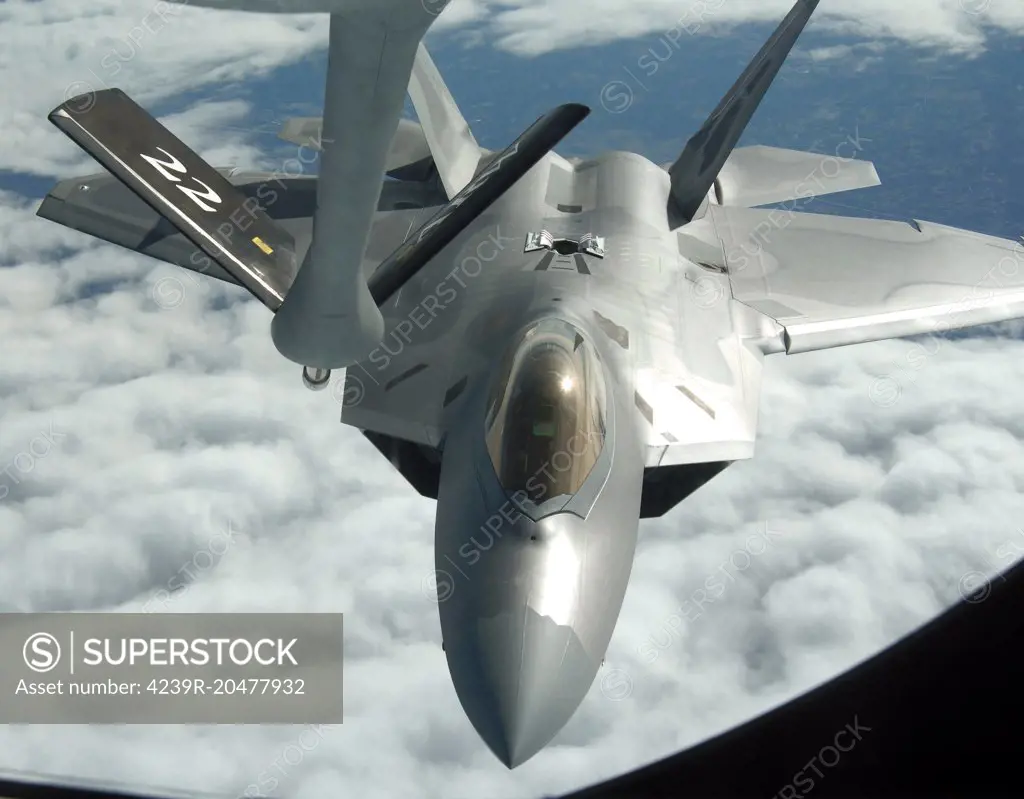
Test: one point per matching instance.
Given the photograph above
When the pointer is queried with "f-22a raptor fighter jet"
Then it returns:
(552, 348)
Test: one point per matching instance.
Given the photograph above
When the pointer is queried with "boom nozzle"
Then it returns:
(315, 379)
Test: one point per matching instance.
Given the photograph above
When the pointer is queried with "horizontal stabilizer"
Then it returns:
(303, 131)
(409, 145)
(762, 175)
(492, 182)
(196, 199)
(101, 206)
(456, 153)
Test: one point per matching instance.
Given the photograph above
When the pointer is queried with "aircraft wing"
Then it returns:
(829, 281)
(102, 206)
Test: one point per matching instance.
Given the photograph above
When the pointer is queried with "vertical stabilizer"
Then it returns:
(694, 172)
(456, 153)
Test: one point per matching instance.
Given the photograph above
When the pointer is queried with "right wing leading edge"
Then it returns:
(830, 281)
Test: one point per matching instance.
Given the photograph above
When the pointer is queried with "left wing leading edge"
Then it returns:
(829, 281)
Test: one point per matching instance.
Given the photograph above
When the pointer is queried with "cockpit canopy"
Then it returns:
(546, 413)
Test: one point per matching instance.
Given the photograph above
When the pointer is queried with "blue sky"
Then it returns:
(180, 421)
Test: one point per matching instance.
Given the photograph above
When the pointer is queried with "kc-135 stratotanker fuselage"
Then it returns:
(552, 348)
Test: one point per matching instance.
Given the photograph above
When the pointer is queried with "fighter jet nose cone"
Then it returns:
(529, 728)
(518, 738)
(524, 725)
(520, 742)
(520, 678)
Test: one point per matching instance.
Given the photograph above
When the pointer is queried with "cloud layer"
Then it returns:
(147, 416)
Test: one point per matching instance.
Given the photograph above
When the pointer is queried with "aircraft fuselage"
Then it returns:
(544, 445)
